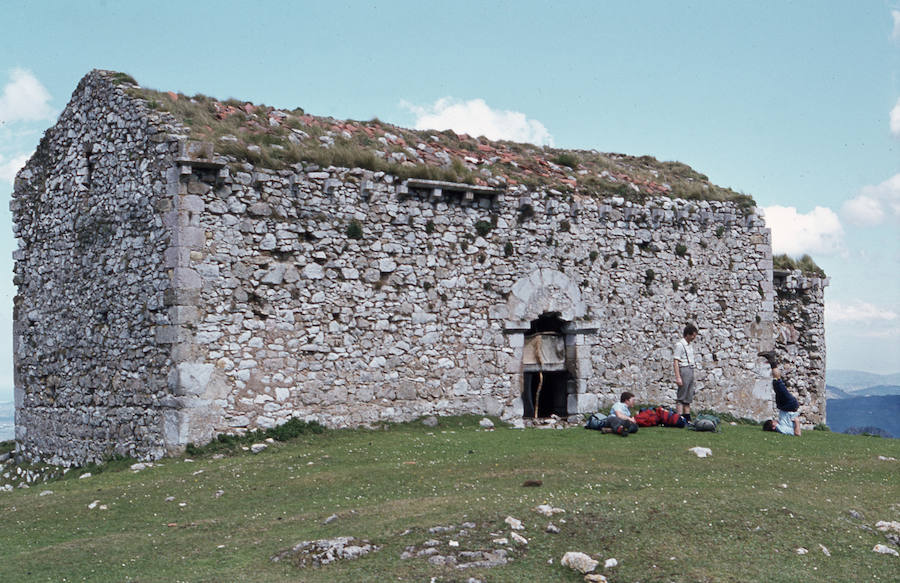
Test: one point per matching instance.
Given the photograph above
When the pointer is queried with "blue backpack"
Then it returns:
(595, 422)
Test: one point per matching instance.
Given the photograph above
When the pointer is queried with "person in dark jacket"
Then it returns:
(787, 404)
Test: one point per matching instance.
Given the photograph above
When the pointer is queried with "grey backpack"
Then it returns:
(706, 423)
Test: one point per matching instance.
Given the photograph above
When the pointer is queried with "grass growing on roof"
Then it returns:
(663, 513)
(285, 137)
(805, 263)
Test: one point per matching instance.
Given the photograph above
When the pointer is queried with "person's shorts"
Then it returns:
(685, 393)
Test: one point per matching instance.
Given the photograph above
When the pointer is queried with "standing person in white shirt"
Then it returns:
(684, 372)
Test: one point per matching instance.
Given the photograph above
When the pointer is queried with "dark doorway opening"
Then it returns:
(547, 322)
(553, 397)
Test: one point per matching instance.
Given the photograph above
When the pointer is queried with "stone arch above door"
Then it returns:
(545, 291)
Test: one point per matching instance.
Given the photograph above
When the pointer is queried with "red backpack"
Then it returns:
(647, 418)
(669, 418)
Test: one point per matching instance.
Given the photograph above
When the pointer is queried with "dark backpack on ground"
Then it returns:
(706, 423)
(595, 422)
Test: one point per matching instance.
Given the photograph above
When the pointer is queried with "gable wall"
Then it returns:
(89, 374)
(800, 340)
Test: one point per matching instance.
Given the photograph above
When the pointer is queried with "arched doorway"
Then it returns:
(548, 334)
(545, 387)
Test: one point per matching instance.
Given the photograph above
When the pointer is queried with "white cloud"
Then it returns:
(24, 99)
(9, 168)
(816, 232)
(477, 118)
(875, 203)
(895, 34)
(895, 119)
(863, 210)
(857, 311)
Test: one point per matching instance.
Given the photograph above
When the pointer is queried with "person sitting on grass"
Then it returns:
(788, 406)
(620, 421)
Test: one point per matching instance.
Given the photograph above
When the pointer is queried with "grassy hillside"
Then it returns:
(645, 500)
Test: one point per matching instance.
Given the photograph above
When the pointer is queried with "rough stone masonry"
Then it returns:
(166, 294)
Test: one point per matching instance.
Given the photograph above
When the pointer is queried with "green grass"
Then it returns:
(806, 264)
(663, 513)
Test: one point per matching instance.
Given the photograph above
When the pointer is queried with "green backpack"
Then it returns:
(706, 423)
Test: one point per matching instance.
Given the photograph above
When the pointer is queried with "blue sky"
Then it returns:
(795, 103)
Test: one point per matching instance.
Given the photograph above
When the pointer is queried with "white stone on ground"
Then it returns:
(885, 550)
(579, 561)
(514, 523)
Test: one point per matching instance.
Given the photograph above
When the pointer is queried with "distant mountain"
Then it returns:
(853, 380)
(877, 390)
(881, 412)
(835, 393)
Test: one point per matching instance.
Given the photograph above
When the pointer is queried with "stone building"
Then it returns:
(170, 290)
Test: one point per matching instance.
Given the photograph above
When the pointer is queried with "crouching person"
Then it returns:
(787, 405)
(620, 421)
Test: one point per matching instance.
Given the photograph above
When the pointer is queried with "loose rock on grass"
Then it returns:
(514, 523)
(579, 561)
(548, 510)
(324, 551)
(885, 550)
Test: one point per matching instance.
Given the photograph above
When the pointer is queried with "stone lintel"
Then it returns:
(581, 327)
(516, 326)
(577, 327)
(199, 155)
(441, 185)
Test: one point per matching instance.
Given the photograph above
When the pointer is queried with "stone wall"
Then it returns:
(800, 339)
(424, 314)
(89, 374)
(166, 295)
